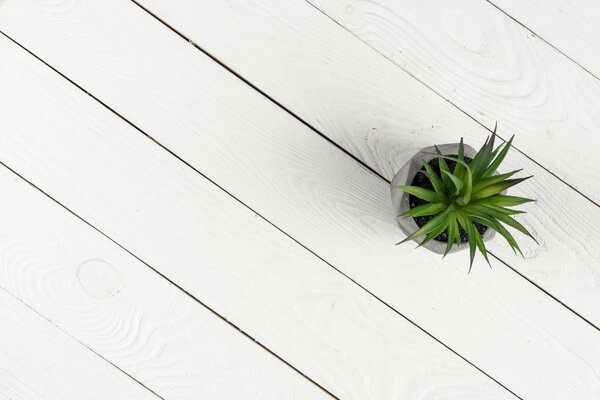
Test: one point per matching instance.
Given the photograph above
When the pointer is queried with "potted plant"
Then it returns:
(452, 194)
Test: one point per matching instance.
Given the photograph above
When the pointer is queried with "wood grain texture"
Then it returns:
(38, 361)
(493, 69)
(115, 305)
(571, 26)
(215, 248)
(163, 212)
(336, 83)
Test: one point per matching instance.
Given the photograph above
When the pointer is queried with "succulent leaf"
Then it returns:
(455, 182)
(484, 157)
(434, 233)
(451, 233)
(481, 246)
(508, 201)
(425, 210)
(496, 163)
(496, 188)
(468, 226)
(481, 157)
(456, 230)
(436, 182)
(498, 227)
(459, 168)
(467, 181)
(429, 226)
(444, 171)
(423, 194)
(493, 179)
(508, 220)
(488, 204)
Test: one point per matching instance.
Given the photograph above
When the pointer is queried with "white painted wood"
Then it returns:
(374, 110)
(303, 184)
(128, 314)
(221, 252)
(334, 82)
(569, 25)
(38, 361)
(495, 70)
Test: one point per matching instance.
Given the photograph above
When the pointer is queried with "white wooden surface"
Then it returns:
(126, 313)
(38, 361)
(246, 269)
(215, 248)
(373, 109)
(571, 26)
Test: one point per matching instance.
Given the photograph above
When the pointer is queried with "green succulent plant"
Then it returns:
(469, 194)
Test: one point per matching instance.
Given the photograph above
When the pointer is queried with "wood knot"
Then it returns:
(99, 279)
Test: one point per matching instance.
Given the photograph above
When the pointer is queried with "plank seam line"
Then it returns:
(259, 90)
(453, 105)
(542, 39)
(545, 291)
(75, 339)
(249, 208)
(248, 336)
(363, 164)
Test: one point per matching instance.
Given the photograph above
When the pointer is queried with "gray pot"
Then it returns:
(400, 201)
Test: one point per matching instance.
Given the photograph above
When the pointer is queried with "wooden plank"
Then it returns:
(215, 248)
(38, 361)
(493, 69)
(301, 183)
(368, 106)
(129, 315)
(570, 26)
(348, 96)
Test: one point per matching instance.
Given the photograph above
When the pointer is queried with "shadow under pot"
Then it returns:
(402, 201)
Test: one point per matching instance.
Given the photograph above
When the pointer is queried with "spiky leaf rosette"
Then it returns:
(469, 194)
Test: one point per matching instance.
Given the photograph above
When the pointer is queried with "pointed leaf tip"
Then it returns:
(403, 241)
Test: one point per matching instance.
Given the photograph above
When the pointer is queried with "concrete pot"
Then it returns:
(400, 201)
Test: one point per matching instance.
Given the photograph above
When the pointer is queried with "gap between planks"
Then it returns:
(246, 206)
(545, 41)
(36, 354)
(57, 326)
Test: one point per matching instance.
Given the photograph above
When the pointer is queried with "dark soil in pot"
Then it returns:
(422, 181)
